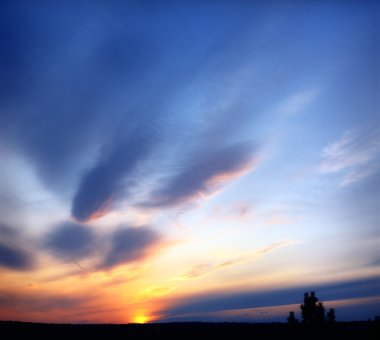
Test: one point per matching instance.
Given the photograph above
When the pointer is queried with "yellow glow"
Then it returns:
(140, 319)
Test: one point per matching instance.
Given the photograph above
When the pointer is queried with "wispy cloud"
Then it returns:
(356, 155)
(94, 104)
(205, 173)
(202, 269)
(355, 176)
(360, 306)
(103, 182)
(297, 102)
(130, 245)
(14, 252)
(155, 291)
(73, 242)
(209, 302)
(38, 305)
(14, 257)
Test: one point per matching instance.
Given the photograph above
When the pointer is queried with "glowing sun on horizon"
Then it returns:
(140, 319)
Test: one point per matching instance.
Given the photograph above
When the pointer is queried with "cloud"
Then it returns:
(357, 175)
(297, 102)
(356, 155)
(9, 202)
(87, 104)
(206, 172)
(71, 241)
(202, 269)
(100, 184)
(155, 291)
(129, 245)
(348, 310)
(71, 90)
(14, 253)
(214, 302)
(64, 87)
(39, 306)
(45, 303)
(14, 258)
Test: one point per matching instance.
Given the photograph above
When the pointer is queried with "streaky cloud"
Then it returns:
(59, 104)
(128, 245)
(13, 251)
(202, 269)
(70, 241)
(14, 258)
(39, 305)
(213, 302)
(297, 102)
(100, 184)
(65, 99)
(205, 173)
(356, 155)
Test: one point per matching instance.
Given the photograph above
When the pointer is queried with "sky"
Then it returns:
(188, 160)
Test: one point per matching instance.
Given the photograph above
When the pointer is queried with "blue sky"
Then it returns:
(154, 152)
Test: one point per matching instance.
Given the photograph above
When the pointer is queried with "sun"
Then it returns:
(140, 319)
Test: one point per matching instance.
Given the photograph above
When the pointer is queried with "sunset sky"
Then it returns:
(188, 160)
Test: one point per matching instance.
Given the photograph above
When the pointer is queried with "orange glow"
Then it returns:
(141, 319)
(230, 175)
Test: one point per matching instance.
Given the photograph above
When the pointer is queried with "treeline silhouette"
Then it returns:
(312, 311)
(315, 324)
(191, 330)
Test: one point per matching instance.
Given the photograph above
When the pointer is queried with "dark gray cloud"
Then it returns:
(128, 245)
(14, 258)
(68, 83)
(88, 94)
(99, 185)
(53, 107)
(205, 168)
(71, 241)
(13, 251)
(368, 287)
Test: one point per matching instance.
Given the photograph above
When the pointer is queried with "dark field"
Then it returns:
(340, 330)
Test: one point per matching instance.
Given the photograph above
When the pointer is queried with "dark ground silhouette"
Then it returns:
(316, 324)
(336, 330)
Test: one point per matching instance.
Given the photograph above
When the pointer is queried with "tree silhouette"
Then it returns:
(331, 315)
(320, 313)
(313, 312)
(292, 319)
